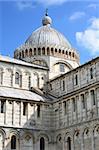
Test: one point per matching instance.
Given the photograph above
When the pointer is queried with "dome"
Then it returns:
(46, 41)
(47, 36)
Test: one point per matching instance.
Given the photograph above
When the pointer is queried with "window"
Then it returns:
(38, 110)
(17, 78)
(55, 50)
(68, 143)
(1, 76)
(39, 51)
(29, 85)
(83, 101)
(24, 109)
(30, 52)
(76, 79)
(48, 51)
(52, 51)
(26, 52)
(59, 50)
(64, 107)
(2, 106)
(34, 51)
(74, 104)
(42, 143)
(62, 68)
(63, 85)
(13, 142)
(93, 97)
(43, 50)
(22, 54)
(91, 73)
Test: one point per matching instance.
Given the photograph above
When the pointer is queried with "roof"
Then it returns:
(19, 62)
(20, 94)
(46, 35)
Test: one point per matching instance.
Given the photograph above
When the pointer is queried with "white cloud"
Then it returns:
(52, 2)
(25, 4)
(93, 5)
(76, 15)
(90, 37)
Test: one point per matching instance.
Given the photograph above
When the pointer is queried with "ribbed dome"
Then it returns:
(46, 35)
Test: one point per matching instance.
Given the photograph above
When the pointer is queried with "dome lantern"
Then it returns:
(46, 19)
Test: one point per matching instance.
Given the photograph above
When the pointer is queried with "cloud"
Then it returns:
(52, 2)
(93, 5)
(90, 37)
(25, 4)
(77, 15)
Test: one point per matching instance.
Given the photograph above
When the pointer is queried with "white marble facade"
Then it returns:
(40, 110)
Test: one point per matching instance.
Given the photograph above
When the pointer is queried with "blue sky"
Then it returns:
(78, 20)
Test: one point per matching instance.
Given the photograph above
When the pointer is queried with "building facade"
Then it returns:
(48, 101)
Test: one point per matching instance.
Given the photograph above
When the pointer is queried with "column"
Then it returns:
(93, 141)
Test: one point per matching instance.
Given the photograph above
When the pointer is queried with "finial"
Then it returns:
(46, 12)
(46, 20)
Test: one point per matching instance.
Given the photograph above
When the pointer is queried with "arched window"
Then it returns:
(17, 78)
(68, 143)
(43, 51)
(13, 142)
(26, 52)
(30, 52)
(91, 73)
(62, 67)
(55, 50)
(34, 51)
(48, 51)
(22, 54)
(42, 143)
(39, 51)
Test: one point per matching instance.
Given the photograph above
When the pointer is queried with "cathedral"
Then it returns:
(48, 101)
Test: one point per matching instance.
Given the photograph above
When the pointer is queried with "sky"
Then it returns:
(77, 20)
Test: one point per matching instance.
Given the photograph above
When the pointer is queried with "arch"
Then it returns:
(34, 51)
(26, 52)
(59, 50)
(70, 54)
(96, 136)
(43, 51)
(30, 52)
(19, 55)
(42, 143)
(48, 52)
(39, 51)
(27, 141)
(36, 80)
(13, 142)
(87, 139)
(59, 142)
(55, 50)
(2, 137)
(9, 76)
(63, 52)
(63, 62)
(52, 51)
(73, 55)
(18, 78)
(69, 143)
(22, 54)
(77, 145)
